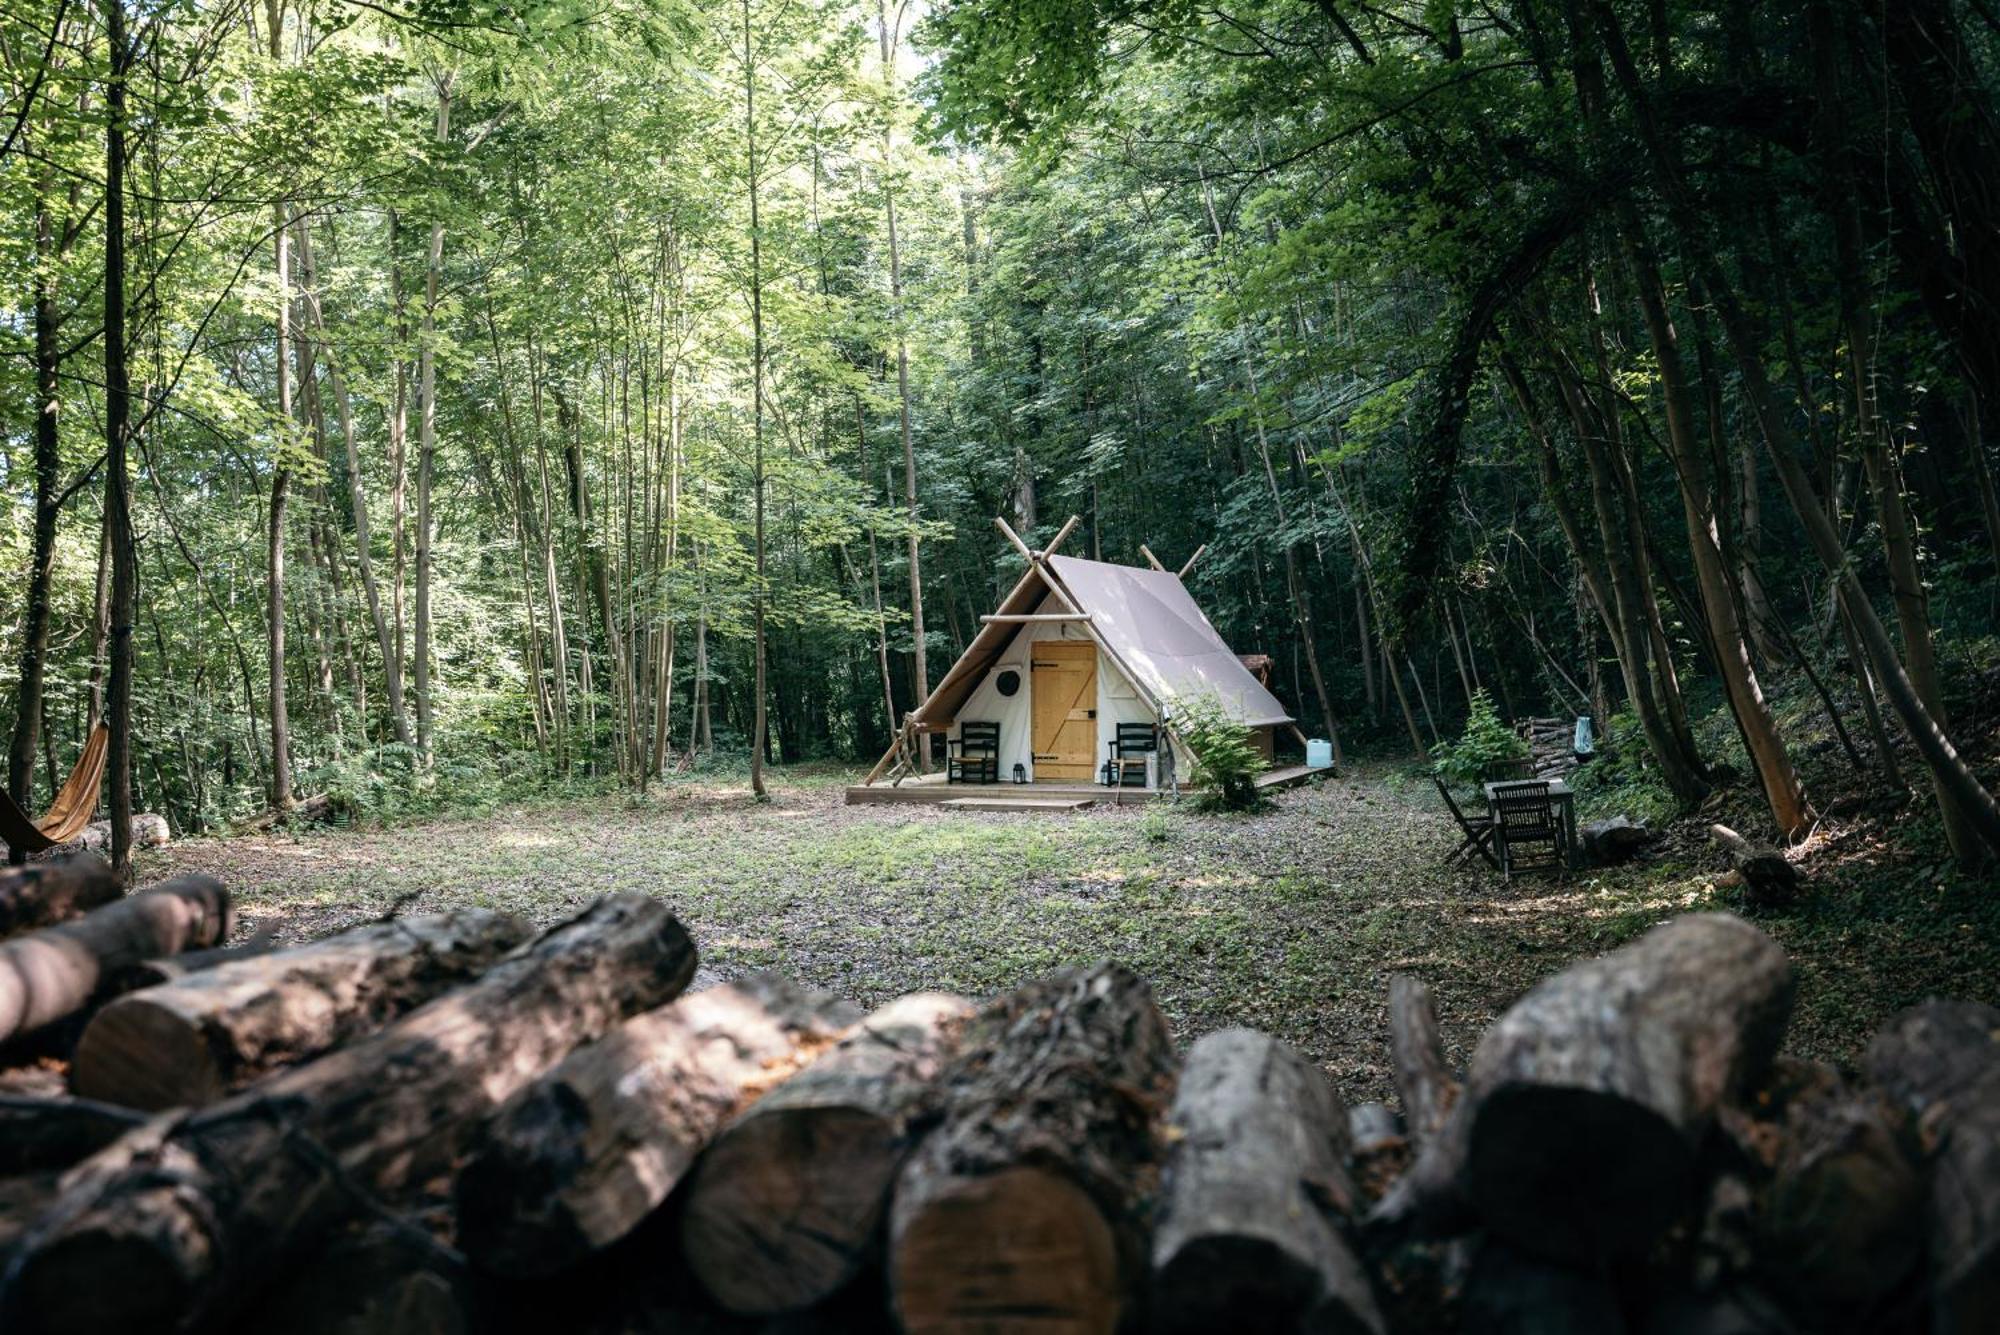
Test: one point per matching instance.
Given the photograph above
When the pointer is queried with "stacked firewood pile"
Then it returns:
(1551, 746)
(447, 1124)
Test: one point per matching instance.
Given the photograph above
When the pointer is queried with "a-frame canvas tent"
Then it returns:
(1076, 648)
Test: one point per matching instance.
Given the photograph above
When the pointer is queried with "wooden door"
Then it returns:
(1065, 709)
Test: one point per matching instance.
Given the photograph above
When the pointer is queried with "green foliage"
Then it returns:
(1226, 762)
(1482, 750)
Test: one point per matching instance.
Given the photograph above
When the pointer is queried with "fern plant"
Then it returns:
(1225, 760)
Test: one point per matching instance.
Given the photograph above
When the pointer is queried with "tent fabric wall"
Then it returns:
(1118, 700)
(1152, 624)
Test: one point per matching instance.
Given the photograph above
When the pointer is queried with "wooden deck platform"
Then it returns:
(1024, 804)
(1071, 796)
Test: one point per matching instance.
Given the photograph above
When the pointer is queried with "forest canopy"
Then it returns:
(419, 400)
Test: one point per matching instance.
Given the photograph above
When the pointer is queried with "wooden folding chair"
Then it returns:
(1478, 829)
(1529, 830)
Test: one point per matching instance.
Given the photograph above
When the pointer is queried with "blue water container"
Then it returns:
(1319, 753)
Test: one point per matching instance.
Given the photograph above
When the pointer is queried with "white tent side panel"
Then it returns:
(1118, 701)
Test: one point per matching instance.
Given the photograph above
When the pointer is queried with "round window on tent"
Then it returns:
(1008, 682)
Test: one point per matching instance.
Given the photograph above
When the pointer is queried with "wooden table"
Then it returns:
(1561, 794)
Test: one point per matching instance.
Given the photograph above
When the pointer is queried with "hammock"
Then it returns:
(75, 804)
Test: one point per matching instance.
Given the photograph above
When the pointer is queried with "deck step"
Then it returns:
(1019, 803)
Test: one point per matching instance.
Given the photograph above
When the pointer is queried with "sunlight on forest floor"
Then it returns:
(1288, 921)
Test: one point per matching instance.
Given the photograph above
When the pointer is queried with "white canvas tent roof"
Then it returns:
(1146, 622)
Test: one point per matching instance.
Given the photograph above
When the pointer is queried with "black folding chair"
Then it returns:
(1130, 744)
(1529, 829)
(1478, 829)
(975, 754)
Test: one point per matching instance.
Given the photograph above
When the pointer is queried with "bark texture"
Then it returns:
(1587, 1100)
(1942, 1060)
(55, 891)
(1246, 1235)
(53, 973)
(1023, 1210)
(39, 1135)
(190, 1042)
(580, 1157)
(195, 1213)
(787, 1205)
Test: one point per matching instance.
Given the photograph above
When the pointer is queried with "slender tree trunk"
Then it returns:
(759, 726)
(48, 484)
(920, 673)
(281, 480)
(100, 624)
(357, 491)
(117, 428)
(427, 446)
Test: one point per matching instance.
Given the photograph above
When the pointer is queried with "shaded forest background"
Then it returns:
(439, 398)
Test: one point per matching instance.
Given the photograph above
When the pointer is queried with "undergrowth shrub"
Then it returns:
(1226, 762)
(1484, 747)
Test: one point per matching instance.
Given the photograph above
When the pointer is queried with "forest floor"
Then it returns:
(1289, 920)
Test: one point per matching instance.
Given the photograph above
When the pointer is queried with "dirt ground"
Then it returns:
(1289, 921)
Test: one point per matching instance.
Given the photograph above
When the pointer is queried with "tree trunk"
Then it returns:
(579, 1158)
(117, 430)
(786, 1206)
(758, 591)
(1246, 1235)
(1885, 482)
(191, 1042)
(1579, 1142)
(357, 491)
(920, 671)
(1027, 1198)
(55, 972)
(1942, 1061)
(201, 1210)
(427, 443)
(1942, 758)
(48, 491)
(55, 891)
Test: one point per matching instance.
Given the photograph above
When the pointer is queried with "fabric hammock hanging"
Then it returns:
(72, 809)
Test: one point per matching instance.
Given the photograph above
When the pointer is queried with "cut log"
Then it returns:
(195, 1040)
(149, 830)
(1423, 1083)
(371, 1279)
(58, 890)
(24, 1200)
(1022, 1211)
(193, 1217)
(1770, 880)
(1586, 1101)
(1843, 1218)
(1379, 1152)
(173, 968)
(1511, 1292)
(1246, 1235)
(42, 1135)
(579, 1158)
(786, 1206)
(1941, 1060)
(52, 973)
(1736, 1310)
(1372, 1128)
